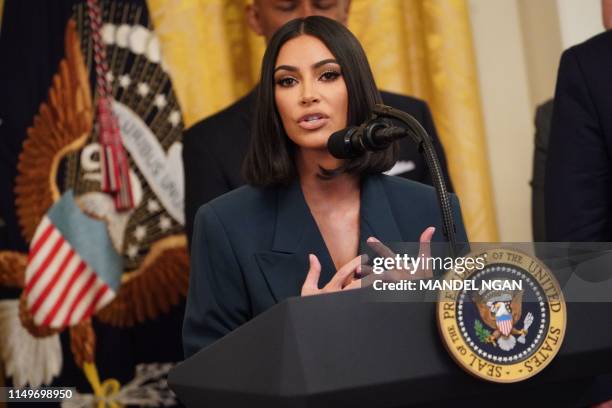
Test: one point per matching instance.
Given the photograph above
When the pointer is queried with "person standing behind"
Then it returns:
(579, 166)
(578, 187)
(543, 117)
(214, 148)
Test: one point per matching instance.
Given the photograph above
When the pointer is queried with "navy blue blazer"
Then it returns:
(250, 247)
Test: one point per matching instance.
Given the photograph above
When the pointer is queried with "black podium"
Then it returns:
(345, 350)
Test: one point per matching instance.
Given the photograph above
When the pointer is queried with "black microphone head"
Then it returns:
(340, 146)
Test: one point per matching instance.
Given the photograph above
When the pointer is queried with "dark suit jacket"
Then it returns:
(543, 119)
(579, 168)
(250, 248)
(214, 148)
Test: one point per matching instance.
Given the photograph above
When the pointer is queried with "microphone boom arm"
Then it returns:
(423, 140)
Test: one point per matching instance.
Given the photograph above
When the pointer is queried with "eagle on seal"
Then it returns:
(501, 312)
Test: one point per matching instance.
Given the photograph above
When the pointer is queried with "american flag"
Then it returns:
(73, 269)
(504, 323)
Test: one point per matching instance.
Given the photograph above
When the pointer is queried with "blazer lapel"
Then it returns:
(377, 218)
(295, 236)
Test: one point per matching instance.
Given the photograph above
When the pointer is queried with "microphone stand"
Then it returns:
(423, 140)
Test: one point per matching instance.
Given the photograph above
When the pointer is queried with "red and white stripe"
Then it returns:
(61, 289)
(504, 326)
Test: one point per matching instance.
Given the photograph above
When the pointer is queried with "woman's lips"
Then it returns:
(313, 122)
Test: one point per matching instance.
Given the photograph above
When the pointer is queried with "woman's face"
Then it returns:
(310, 92)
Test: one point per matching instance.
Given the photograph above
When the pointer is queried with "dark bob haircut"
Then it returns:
(270, 158)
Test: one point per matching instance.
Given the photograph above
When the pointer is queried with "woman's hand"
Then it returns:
(354, 274)
(424, 253)
(343, 279)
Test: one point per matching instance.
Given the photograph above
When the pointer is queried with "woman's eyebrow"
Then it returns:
(315, 65)
(325, 61)
(286, 68)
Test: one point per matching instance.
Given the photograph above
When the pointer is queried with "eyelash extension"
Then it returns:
(335, 73)
(280, 81)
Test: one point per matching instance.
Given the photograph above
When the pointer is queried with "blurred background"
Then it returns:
(482, 65)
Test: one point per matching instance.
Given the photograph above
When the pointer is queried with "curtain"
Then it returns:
(415, 47)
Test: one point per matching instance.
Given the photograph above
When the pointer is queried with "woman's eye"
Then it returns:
(330, 75)
(286, 82)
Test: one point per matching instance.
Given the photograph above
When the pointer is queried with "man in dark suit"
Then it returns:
(578, 188)
(213, 149)
(579, 167)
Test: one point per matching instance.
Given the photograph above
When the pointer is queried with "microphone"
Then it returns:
(377, 134)
(354, 141)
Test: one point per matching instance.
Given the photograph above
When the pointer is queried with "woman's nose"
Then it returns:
(309, 92)
(308, 100)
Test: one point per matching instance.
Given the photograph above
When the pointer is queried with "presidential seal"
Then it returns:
(506, 332)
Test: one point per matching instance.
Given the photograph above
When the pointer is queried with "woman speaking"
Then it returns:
(297, 227)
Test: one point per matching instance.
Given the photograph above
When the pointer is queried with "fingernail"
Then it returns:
(372, 239)
(433, 229)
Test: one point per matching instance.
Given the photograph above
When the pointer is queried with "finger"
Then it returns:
(368, 280)
(344, 274)
(425, 240)
(356, 284)
(361, 270)
(364, 270)
(427, 234)
(425, 251)
(311, 284)
(380, 248)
